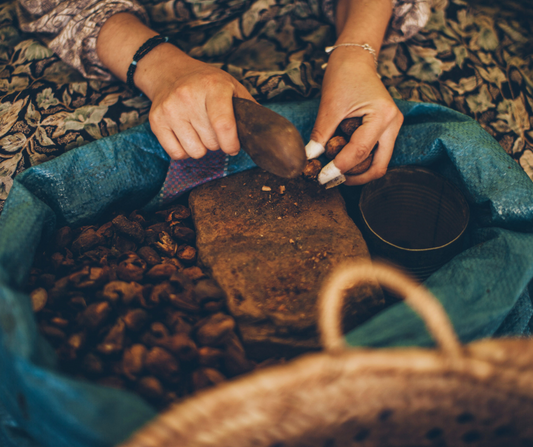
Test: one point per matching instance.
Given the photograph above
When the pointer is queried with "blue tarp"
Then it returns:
(484, 289)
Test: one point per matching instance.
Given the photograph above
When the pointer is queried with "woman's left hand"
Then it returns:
(351, 88)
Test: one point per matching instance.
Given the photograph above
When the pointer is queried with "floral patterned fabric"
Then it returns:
(237, 32)
(475, 58)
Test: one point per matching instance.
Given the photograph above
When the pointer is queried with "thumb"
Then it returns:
(322, 131)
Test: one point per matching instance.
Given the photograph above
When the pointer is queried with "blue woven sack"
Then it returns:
(484, 289)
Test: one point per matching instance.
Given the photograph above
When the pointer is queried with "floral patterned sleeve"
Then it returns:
(408, 17)
(71, 28)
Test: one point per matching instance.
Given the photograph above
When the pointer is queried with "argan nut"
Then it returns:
(77, 341)
(132, 229)
(136, 217)
(208, 290)
(334, 146)
(106, 231)
(63, 237)
(349, 125)
(181, 346)
(214, 329)
(149, 255)
(186, 253)
(161, 363)
(135, 319)
(39, 297)
(126, 292)
(131, 267)
(206, 377)
(133, 361)
(361, 167)
(194, 273)
(166, 245)
(161, 271)
(114, 340)
(312, 169)
(123, 243)
(95, 315)
(183, 233)
(150, 388)
(87, 240)
(209, 356)
(235, 361)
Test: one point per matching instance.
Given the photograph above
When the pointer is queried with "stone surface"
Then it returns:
(269, 243)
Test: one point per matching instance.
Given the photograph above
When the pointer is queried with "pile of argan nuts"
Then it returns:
(124, 305)
(335, 144)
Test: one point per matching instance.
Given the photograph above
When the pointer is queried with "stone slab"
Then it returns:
(269, 242)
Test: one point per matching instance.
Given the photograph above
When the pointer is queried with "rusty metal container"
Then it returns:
(415, 218)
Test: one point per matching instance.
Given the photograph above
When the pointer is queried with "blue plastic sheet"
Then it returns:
(484, 289)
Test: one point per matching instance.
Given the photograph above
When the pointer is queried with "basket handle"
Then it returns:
(330, 301)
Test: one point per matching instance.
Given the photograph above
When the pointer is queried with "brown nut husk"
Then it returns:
(182, 346)
(160, 363)
(183, 233)
(166, 245)
(150, 388)
(87, 240)
(312, 169)
(39, 297)
(63, 237)
(350, 125)
(361, 167)
(133, 361)
(334, 146)
(135, 319)
(186, 253)
(213, 330)
(206, 377)
(132, 229)
(95, 315)
(114, 340)
(131, 267)
(150, 256)
(161, 271)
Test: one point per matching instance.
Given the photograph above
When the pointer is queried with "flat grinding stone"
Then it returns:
(270, 242)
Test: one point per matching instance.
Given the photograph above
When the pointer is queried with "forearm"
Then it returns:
(362, 21)
(120, 38)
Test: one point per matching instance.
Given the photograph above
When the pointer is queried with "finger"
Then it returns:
(205, 131)
(170, 143)
(357, 150)
(361, 143)
(222, 118)
(381, 159)
(189, 140)
(325, 124)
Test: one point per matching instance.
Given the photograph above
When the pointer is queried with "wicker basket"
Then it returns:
(480, 394)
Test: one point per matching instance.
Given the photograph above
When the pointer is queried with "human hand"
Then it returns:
(192, 110)
(351, 88)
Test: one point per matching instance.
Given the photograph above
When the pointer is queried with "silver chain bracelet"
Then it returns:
(364, 46)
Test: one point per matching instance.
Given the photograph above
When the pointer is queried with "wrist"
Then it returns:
(353, 54)
(153, 69)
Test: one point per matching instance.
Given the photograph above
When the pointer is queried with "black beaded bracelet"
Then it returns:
(145, 48)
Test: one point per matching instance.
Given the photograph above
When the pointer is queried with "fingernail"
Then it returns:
(328, 173)
(336, 182)
(314, 149)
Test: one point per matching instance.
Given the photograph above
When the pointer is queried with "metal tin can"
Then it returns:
(415, 218)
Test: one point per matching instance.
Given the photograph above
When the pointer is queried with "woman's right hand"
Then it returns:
(192, 109)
